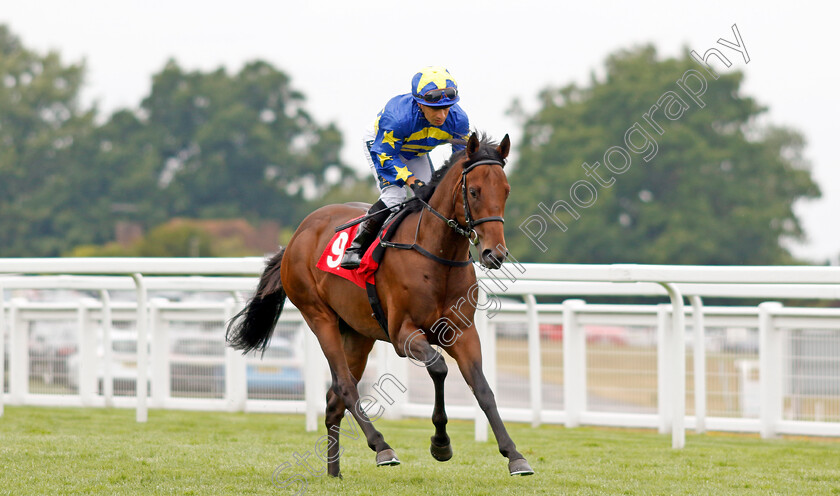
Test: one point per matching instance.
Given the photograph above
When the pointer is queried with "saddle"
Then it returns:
(364, 276)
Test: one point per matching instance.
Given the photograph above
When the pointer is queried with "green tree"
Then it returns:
(41, 122)
(349, 190)
(688, 183)
(109, 176)
(236, 145)
(200, 145)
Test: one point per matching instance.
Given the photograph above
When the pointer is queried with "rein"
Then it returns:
(426, 253)
(467, 231)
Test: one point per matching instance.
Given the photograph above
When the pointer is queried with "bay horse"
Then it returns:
(417, 289)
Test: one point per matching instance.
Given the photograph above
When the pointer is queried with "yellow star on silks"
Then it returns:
(437, 75)
(383, 157)
(389, 139)
(402, 173)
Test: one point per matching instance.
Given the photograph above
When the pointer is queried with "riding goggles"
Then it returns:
(434, 96)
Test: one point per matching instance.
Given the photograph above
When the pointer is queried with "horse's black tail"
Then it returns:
(251, 328)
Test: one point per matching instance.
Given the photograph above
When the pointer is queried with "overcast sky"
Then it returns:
(350, 57)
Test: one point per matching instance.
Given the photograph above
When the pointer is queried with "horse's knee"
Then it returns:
(438, 370)
(333, 417)
(341, 390)
(334, 411)
(348, 395)
(486, 400)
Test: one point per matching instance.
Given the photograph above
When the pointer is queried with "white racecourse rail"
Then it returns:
(527, 281)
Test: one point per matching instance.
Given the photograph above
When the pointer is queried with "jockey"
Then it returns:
(397, 149)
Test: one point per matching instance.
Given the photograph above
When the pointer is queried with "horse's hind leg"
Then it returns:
(334, 414)
(356, 350)
(419, 349)
(324, 323)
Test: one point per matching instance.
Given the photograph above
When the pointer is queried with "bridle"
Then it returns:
(467, 231)
(471, 234)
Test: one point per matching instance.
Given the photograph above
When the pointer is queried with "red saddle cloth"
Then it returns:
(331, 258)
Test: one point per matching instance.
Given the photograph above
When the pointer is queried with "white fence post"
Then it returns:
(487, 337)
(314, 392)
(574, 363)
(18, 354)
(88, 361)
(663, 367)
(770, 371)
(159, 358)
(141, 385)
(107, 349)
(236, 370)
(677, 351)
(534, 361)
(388, 362)
(699, 355)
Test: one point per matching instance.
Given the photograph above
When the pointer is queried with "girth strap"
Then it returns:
(376, 306)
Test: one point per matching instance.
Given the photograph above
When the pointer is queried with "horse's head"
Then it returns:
(480, 202)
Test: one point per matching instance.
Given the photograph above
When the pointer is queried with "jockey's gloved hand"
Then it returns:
(416, 185)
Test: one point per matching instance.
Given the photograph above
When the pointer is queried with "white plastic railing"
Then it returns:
(574, 313)
(671, 278)
(529, 280)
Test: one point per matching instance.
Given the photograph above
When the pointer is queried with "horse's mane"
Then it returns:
(487, 150)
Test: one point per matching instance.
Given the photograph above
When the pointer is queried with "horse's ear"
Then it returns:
(473, 144)
(504, 147)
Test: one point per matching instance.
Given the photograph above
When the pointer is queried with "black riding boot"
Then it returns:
(366, 233)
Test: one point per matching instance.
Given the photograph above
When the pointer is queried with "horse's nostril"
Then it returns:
(492, 259)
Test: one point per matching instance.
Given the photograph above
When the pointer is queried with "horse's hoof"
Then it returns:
(441, 453)
(520, 467)
(387, 457)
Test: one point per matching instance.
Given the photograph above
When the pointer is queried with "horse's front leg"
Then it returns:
(467, 352)
(417, 348)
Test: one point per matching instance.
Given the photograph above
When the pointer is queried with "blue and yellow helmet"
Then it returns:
(434, 87)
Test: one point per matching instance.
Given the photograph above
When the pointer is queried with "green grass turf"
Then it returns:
(104, 451)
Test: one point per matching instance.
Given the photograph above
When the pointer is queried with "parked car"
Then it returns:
(50, 346)
(197, 367)
(613, 335)
(123, 365)
(279, 370)
(595, 334)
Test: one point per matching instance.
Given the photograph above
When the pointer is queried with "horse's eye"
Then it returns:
(473, 193)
